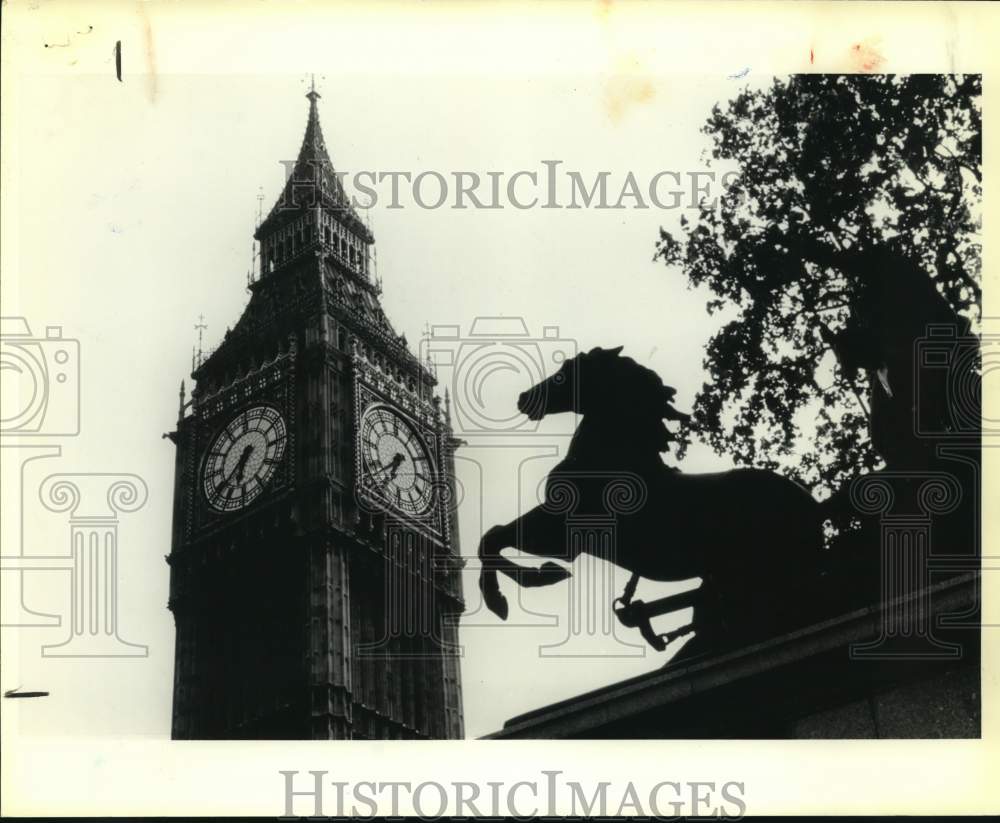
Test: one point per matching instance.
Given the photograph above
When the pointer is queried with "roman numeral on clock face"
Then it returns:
(396, 464)
(243, 457)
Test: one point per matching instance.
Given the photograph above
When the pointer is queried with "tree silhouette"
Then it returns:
(829, 169)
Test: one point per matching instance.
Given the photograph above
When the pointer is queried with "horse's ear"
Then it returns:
(597, 351)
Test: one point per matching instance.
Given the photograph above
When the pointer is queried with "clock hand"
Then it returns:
(390, 470)
(242, 463)
(381, 482)
(397, 461)
(391, 467)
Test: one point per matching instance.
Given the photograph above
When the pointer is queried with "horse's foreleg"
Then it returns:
(529, 533)
(491, 561)
(527, 576)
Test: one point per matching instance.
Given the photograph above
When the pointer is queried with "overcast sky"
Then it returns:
(136, 217)
(127, 211)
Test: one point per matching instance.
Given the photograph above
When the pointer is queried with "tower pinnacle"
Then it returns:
(313, 95)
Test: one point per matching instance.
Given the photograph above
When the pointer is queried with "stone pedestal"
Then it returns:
(800, 685)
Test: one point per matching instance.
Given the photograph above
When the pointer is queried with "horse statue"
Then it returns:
(753, 537)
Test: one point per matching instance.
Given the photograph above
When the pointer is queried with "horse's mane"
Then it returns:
(630, 384)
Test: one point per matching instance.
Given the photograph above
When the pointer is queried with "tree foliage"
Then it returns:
(827, 167)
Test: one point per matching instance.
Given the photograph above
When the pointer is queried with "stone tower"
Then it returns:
(314, 570)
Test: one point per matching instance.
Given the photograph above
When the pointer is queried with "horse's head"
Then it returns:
(601, 381)
(561, 391)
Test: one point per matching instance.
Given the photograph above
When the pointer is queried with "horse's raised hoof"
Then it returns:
(497, 604)
(493, 597)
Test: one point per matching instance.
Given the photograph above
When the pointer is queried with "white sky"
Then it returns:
(127, 211)
(135, 217)
(132, 211)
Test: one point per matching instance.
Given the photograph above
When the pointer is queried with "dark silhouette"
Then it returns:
(895, 307)
(924, 401)
(827, 165)
(852, 223)
(753, 536)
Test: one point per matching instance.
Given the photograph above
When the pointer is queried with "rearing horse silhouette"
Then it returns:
(753, 536)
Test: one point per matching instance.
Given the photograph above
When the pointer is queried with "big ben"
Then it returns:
(315, 565)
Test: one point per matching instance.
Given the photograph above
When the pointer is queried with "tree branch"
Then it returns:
(948, 247)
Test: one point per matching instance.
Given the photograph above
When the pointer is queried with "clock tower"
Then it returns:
(314, 568)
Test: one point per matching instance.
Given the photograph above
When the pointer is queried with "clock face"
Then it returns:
(243, 457)
(396, 465)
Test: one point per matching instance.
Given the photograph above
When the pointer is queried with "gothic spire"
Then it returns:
(313, 148)
(313, 181)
